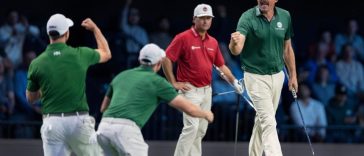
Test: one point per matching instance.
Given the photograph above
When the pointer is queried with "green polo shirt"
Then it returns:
(60, 74)
(136, 93)
(264, 44)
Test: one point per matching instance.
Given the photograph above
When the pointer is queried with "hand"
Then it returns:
(89, 24)
(292, 84)
(238, 87)
(236, 38)
(209, 116)
(181, 86)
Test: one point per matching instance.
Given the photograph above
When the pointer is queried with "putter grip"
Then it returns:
(294, 93)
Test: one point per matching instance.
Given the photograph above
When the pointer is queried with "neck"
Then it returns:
(202, 33)
(60, 40)
(269, 14)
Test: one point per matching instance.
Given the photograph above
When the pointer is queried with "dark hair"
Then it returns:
(54, 34)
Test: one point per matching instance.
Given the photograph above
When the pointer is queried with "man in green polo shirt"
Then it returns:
(263, 40)
(57, 77)
(131, 99)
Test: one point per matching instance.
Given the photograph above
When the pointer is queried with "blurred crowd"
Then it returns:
(330, 72)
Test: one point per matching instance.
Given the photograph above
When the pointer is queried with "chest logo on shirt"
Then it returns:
(195, 47)
(279, 26)
(56, 53)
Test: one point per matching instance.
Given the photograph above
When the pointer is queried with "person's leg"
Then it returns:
(105, 137)
(255, 143)
(82, 131)
(190, 125)
(130, 141)
(53, 137)
(260, 91)
(196, 149)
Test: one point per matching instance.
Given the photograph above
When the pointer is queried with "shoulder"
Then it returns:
(283, 12)
(249, 13)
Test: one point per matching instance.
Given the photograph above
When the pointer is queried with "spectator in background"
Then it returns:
(13, 34)
(7, 100)
(324, 39)
(340, 112)
(350, 71)
(322, 89)
(135, 35)
(162, 37)
(313, 113)
(20, 85)
(320, 59)
(351, 37)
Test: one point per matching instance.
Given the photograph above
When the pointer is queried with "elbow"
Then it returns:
(108, 56)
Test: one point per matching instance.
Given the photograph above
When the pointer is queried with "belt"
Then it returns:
(65, 114)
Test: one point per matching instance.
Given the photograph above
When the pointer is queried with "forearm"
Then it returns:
(105, 104)
(235, 49)
(33, 97)
(102, 45)
(124, 21)
(289, 58)
(168, 70)
(188, 107)
(230, 77)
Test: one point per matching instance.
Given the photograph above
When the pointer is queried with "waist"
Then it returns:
(64, 114)
(122, 121)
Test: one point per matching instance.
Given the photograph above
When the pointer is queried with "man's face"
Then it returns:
(266, 5)
(202, 23)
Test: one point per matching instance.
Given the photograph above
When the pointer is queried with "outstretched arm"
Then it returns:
(102, 45)
(181, 103)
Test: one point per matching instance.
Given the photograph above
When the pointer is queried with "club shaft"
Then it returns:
(304, 126)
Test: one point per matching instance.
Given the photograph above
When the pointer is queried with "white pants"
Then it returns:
(121, 137)
(194, 129)
(61, 135)
(265, 92)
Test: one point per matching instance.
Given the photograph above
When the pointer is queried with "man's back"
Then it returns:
(136, 93)
(60, 73)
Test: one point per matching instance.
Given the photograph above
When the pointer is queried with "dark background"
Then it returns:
(308, 16)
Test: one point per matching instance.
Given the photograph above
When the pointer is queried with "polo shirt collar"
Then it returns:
(56, 46)
(145, 68)
(258, 13)
(195, 34)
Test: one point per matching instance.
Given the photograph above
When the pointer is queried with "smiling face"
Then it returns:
(266, 6)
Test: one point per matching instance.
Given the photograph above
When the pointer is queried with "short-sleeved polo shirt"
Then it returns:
(264, 44)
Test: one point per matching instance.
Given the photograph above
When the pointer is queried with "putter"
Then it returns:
(237, 125)
(294, 94)
(303, 121)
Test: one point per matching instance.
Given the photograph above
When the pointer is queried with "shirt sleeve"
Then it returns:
(174, 50)
(89, 56)
(32, 83)
(219, 59)
(165, 91)
(289, 33)
(244, 24)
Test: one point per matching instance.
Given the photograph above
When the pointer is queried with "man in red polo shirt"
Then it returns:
(195, 52)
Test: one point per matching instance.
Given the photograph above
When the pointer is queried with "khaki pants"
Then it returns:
(265, 91)
(63, 134)
(194, 129)
(121, 137)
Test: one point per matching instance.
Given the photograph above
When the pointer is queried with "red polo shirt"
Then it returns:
(194, 57)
